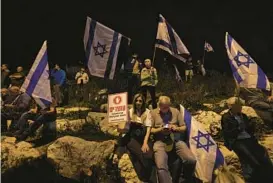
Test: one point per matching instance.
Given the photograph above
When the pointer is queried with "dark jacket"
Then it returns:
(230, 128)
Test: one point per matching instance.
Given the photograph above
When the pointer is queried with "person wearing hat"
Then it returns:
(169, 130)
(238, 132)
(149, 80)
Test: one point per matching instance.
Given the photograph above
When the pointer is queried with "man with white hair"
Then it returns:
(238, 132)
(149, 81)
(169, 131)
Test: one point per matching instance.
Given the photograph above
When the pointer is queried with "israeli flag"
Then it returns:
(37, 83)
(101, 47)
(245, 70)
(205, 149)
(168, 40)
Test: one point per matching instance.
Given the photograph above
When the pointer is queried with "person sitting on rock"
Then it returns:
(238, 135)
(39, 116)
(137, 139)
(169, 130)
(15, 103)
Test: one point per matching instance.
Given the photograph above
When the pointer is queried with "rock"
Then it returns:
(127, 170)
(207, 118)
(267, 142)
(249, 111)
(109, 129)
(210, 106)
(71, 155)
(70, 126)
(95, 117)
(229, 101)
(14, 154)
(62, 110)
(231, 160)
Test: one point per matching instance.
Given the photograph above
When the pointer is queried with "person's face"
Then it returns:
(139, 102)
(19, 69)
(236, 108)
(57, 67)
(14, 91)
(3, 67)
(82, 69)
(164, 107)
(148, 63)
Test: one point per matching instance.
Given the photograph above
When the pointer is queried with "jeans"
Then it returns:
(161, 160)
(38, 119)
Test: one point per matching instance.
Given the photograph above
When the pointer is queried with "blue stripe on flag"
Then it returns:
(236, 75)
(261, 83)
(90, 39)
(229, 41)
(219, 159)
(171, 34)
(164, 43)
(187, 119)
(37, 74)
(45, 102)
(111, 55)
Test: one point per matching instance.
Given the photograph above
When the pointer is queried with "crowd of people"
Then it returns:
(155, 138)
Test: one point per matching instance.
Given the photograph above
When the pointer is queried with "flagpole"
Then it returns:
(154, 56)
(204, 53)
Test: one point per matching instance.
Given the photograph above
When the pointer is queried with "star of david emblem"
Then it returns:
(203, 140)
(243, 59)
(100, 49)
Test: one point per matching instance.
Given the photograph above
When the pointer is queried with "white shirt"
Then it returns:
(146, 122)
(82, 76)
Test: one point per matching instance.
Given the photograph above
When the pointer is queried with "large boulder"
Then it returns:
(231, 100)
(14, 155)
(71, 155)
(127, 171)
(208, 118)
(108, 128)
(249, 111)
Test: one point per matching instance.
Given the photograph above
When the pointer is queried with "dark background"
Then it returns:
(26, 24)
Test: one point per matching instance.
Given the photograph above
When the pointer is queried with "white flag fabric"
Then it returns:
(245, 70)
(168, 40)
(208, 47)
(37, 83)
(205, 149)
(101, 47)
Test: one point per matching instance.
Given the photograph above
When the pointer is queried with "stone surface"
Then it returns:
(127, 170)
(207, 118)
(14, 154)
(71, 155)
(231, 100)
(108, 128)
(249, 111)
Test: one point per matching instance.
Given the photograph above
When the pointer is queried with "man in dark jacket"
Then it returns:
(238, 134)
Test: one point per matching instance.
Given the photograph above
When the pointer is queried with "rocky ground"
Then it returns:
(85, 145)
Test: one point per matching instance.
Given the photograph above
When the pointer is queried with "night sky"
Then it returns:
(26, 24)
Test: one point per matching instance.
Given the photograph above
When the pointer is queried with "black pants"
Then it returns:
(13, 116)
(151, 90)
(142, 162)
(251, 152)
(133, 87)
